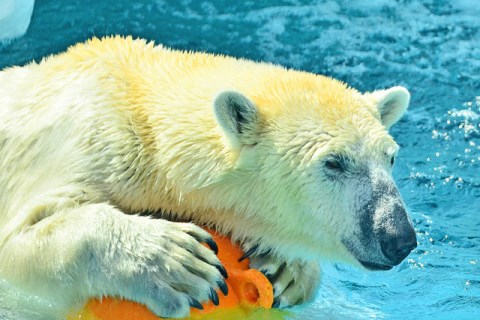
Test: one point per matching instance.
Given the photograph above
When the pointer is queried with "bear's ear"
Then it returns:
(391, 104)
(237, 116)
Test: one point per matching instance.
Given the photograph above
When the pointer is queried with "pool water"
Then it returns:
(431, 47)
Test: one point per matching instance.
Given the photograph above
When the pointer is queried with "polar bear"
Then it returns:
(296, 167)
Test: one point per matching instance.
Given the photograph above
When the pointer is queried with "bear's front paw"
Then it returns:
(165, 266)
(293, 283)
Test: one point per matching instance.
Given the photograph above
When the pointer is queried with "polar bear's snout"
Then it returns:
(385, 235)
(397, 246)
(392, 226)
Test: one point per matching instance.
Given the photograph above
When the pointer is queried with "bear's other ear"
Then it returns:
(237, 116)
(391, 103)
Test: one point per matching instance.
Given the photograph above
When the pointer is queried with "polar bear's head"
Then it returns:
(319, 159)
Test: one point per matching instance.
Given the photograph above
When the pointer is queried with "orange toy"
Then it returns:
(249, 289)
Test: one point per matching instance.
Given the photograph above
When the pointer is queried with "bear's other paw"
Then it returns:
(293, 283)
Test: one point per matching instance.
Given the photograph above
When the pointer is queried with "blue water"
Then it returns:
(431, 47)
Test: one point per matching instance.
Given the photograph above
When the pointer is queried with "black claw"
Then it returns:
(273, 277)
(222, 271)
(270, 277)
(212, 244)
(291, 283)
(214, 296)
(223, 287)
(264, 254)
(276, 303)
(299, 301)
(195, 304)
(248, 253)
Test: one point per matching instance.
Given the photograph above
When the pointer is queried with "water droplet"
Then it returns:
(459, 183)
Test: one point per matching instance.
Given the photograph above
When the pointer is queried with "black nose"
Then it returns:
(396, 248)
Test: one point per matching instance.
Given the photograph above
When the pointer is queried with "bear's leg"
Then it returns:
(96, 250)
(293, 282)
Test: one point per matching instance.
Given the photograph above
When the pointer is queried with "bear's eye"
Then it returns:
(392, 160)
(334, 165)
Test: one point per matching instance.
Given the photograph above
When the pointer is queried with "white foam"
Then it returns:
(467, 114)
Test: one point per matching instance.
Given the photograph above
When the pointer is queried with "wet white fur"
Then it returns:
(119, 126)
